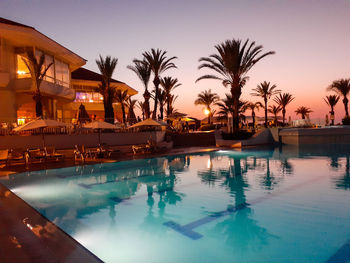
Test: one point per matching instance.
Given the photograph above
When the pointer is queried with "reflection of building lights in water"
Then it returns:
(209, 164)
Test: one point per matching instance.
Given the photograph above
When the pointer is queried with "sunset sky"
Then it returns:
(311, 40)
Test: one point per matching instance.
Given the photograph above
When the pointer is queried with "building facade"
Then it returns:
(61, 94)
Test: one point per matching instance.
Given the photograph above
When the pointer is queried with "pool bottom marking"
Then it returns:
(187, 230)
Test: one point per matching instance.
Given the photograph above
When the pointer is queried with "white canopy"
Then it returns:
(39, 123)
(100, 125)
(148, 122)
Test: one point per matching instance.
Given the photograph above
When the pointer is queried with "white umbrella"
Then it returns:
(148, 122)
(99, 125)
(40, 124)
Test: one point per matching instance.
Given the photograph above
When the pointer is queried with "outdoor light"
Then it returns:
(206, 111)
(91, 100)
(84, 97)
(20, 72)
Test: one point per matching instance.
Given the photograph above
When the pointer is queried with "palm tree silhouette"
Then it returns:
(207, 98)
(283, 100)
(131, 113)
(122, 97)
(266, 91)
(37, 71)
(169, 84)
(253, 106)
(141, 106)
(232, 62)
(107, 66)
(158, 63)
(162, 100)
(303, 111)
(274, 110)
(342, 87)
(331, 101)
(143, 70)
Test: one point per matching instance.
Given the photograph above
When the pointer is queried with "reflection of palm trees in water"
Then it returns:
(344, 181)
(239, 228)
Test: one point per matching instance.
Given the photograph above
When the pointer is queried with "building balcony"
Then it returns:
(46, 88)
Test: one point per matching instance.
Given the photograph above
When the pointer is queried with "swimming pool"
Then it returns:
(280, 205)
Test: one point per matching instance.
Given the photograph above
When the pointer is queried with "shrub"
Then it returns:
(346, 120)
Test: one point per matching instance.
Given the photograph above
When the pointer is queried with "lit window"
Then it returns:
(22, 69)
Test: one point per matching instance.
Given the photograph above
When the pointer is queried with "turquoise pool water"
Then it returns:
(280, 205)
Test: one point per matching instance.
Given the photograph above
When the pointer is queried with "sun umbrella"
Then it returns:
(40, 124)
(100, 125)
(176, 115)
(148, 122)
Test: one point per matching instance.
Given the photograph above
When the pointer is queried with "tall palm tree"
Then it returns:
(169, 84)
(253, 106)
(37, 71)
(172, 100)
(303, 111)
(131, 113)
(122, 97)
(161, 100)
(331, 101)
(275, 110)
(342, 87)
(207, 98)
(107, 66)
(143, 71)
(141, 106)
(158, 63)
(226, 106)
(266, 91)
(231, 64)
(283, 100)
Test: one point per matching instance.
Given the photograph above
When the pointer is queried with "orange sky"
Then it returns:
(311, 40)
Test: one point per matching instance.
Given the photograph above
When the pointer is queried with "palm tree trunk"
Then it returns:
(236, 93)
(146, 96)
(284, 115)
(156, 83)
(168, 107)
(346, 101)
(123, 111)
(161, 110)
(332, 114)
(253, 118)
(265, 100)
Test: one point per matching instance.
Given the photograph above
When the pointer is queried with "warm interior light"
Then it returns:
(91, 100)
(20, 121)
(84, 97)
(21, 72)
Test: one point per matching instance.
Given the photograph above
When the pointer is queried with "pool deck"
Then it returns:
(27, 236)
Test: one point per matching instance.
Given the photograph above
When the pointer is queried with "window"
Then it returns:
(92, 97)
(50, 73)
(22, 69)
(62, 73)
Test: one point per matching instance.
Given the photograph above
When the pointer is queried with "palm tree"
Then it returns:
(122, 97)
(275, 110)
(158, 63)
(107, 66)
(169, 84)
(266, 91)
(207, 98)
(141, 106)
(37, 71)
(131, 113)
(172, 100)
(161, 100)
(253, 106)
(232, 62)
(331, 101)
(342, 87)
(303, 111)
(143, 71)
(283, 100)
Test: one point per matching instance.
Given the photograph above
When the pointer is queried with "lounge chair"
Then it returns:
(78, 154)
(106, 151)
(35, 155)
(4, 155)
(17, 156)
(50, 153)
(149, 147)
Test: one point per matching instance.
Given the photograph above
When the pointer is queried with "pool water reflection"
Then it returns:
(278, 205)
